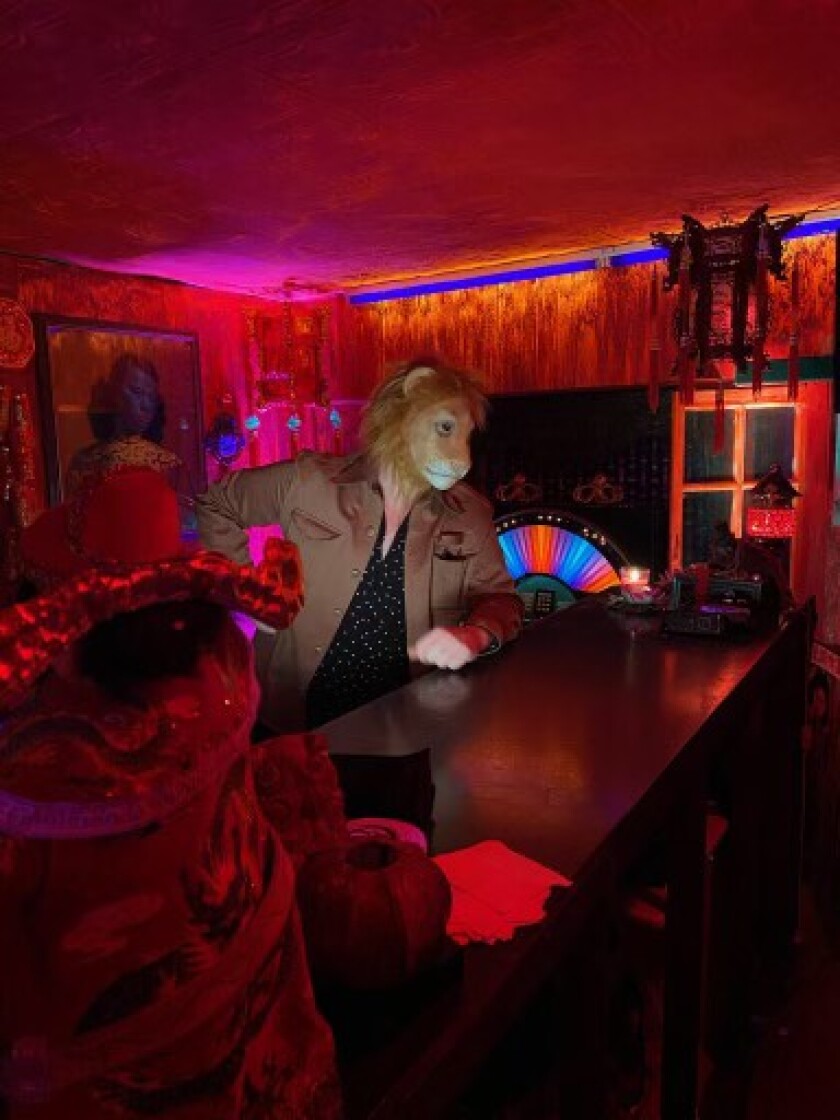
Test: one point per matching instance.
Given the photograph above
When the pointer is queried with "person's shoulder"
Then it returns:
(472, 501)
(320, 464)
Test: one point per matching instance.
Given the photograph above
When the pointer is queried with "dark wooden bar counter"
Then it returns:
(577, 746)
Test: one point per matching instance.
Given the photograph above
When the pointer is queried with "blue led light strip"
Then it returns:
(561, 268)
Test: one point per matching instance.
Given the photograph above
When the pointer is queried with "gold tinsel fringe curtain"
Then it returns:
(581, 330)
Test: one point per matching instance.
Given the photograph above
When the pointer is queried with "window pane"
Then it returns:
(769, 441)
(702, 464)
(700, 512)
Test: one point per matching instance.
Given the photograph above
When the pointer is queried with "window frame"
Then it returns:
(739, 402)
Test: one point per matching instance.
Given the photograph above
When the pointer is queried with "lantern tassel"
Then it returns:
(720, 419)
(759, 359)
(655, 368)
(684, 370)
(793, 357)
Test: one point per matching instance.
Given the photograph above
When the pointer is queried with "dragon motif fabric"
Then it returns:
(154, 964)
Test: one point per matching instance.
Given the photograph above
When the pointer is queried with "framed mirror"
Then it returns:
(111, 393)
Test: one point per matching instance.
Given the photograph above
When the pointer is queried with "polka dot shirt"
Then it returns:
(367, 656)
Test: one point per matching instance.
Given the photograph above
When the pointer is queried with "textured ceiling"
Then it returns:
(338, 143)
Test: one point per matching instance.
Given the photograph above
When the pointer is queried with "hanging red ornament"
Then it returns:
(17, 342)
(655, 368)
(720, 419)
(22, 449)
(18, 494)
(793, 357)
(685, 373)
(759, 360)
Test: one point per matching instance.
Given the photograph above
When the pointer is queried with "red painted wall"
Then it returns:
(220, 321)
(581, 330)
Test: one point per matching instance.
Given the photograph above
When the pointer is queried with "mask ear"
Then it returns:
(414, 377)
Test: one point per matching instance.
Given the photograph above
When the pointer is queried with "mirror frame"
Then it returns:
(47, 323)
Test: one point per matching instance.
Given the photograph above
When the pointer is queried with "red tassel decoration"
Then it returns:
(759, 359)
(684, 372)
(720, 419)
(793, 356)
(654, 371)
(294, 425)
(22, 451)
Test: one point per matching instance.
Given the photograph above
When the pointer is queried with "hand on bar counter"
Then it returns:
(450, 647)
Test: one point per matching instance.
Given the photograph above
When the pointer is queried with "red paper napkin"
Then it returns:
(494, 891)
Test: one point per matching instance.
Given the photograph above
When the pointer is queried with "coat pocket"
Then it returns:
(312, 527)
(448, 590)
(453, 546)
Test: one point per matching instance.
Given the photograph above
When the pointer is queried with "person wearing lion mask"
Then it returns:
(402, 568)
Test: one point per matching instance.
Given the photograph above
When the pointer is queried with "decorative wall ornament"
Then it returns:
(289, 355)
(291, 360)
(336, 423)
(599, 491)
(721, 276)
(17, 340)
(18, 496)
(519, 490)
(225, 440)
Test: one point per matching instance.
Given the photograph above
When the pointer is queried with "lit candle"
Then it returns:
(635, 582)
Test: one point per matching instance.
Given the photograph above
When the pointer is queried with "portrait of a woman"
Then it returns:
(127, 416)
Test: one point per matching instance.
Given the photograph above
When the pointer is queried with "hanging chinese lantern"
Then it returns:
(721, 276)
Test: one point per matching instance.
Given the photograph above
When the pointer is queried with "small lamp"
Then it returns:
(771, 515)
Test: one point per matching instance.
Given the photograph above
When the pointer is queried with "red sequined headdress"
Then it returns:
(117, 549)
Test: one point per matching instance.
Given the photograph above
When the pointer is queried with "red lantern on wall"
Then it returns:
(771, 524)
(770, 515)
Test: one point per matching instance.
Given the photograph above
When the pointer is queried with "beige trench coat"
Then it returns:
(331, 508)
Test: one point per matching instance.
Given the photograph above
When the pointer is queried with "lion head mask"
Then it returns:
(419, 422)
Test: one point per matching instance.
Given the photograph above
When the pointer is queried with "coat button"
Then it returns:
(318, 649)
(355, 572)
(337, 610)
(369, 530)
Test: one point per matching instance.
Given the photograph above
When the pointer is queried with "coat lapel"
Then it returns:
(425, 530)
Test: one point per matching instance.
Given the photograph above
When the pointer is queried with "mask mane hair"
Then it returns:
(388, 416)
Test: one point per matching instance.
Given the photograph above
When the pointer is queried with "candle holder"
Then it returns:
(635, 584)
